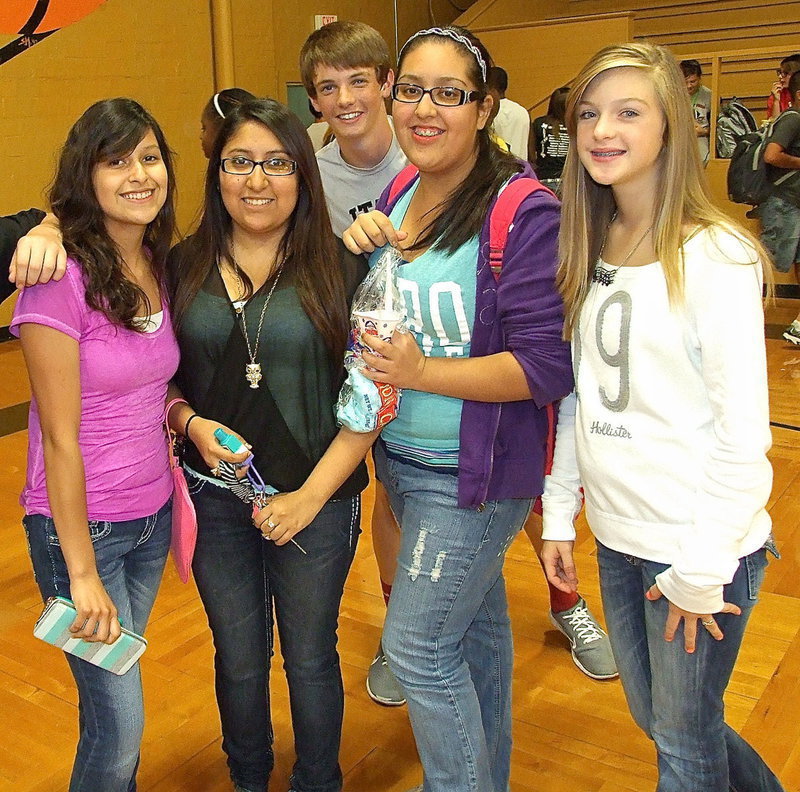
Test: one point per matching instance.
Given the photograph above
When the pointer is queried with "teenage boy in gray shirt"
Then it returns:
(700, 97)
(346, 72)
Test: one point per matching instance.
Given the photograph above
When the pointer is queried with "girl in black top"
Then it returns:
(550, 141)
(261, 294)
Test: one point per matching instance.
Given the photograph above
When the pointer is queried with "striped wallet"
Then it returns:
(53, 628)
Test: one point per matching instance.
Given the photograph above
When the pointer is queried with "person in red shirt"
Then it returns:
(781, 99)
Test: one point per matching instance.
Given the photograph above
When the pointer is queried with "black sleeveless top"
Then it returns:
(289, 419)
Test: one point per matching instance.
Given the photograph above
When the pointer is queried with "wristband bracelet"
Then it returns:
(186, 427)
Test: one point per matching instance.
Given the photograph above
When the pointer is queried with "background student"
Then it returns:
(319, 131)
(701, 105)
(512, 122)
(214, 113)
(780, 98)
(346, 71)
(780, 213)
(550, 141)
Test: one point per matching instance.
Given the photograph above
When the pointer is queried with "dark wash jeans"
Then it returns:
(130, 558)
(242, 580)
(675, 697)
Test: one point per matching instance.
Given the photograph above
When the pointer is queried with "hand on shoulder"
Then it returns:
(40, 255)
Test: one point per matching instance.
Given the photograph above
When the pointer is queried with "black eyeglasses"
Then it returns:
(782, 73)
(444, 96)
(274, 166)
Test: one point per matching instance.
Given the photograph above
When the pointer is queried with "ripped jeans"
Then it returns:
(447, 635)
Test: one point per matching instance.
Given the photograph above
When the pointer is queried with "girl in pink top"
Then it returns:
(100, 352)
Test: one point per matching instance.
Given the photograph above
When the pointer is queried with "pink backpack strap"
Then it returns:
(401, 181)
(502, 217)
(500, 222)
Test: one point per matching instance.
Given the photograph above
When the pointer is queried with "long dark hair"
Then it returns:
(462, 214)
(557, 109)
(311, 257)
(108, 129)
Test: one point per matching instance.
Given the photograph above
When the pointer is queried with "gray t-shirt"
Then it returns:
(786, 133)
(701, 109)
(351, 191)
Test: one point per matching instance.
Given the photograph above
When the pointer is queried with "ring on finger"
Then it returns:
(214, 471)
(272, 525)
(708, 623)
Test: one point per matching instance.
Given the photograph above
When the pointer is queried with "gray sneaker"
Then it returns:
(381, 683)
(591, 650)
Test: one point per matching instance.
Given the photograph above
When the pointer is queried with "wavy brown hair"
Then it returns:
(109, 129)
(311, 256)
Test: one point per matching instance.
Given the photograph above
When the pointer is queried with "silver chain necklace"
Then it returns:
(252, 370)
(605, 276)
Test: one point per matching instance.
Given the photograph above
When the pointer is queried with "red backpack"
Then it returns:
(501, 220)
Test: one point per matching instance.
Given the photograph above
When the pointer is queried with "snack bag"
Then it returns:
(378, 309)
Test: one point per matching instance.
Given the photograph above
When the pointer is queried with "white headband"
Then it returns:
(438, 31)
(216, 105)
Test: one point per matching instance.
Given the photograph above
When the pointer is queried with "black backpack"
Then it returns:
(733, 123)
(748, 178)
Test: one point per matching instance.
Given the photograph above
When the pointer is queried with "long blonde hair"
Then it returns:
(684, 198)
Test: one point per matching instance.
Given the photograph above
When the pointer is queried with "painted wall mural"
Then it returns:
(24, 23)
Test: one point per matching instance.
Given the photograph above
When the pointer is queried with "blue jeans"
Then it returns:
(130, 558)
(242, 578)
(675, 697)
(447, 635)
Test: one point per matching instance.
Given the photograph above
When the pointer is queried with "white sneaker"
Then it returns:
(792, 333)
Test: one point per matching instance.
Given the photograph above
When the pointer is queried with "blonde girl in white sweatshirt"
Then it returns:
(668, 429)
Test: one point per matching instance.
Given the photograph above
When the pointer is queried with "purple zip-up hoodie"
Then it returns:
(503, 445)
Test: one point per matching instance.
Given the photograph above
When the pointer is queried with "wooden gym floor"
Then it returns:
(569, 732)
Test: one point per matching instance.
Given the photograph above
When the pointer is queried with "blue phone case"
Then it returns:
(53, 628)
